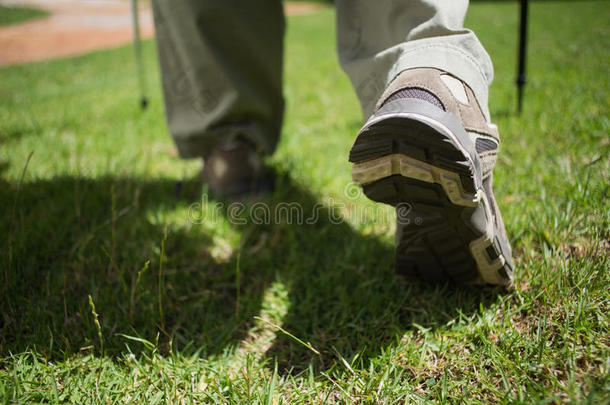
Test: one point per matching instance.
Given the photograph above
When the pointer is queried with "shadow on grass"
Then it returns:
(72, 237)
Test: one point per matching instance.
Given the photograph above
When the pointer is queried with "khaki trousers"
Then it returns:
(221, 61)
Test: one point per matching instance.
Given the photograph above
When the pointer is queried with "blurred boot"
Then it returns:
(236, 171)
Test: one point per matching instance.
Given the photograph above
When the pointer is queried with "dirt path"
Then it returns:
(79, 26)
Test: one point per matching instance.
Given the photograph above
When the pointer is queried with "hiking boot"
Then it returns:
(236, 171)
(429, 151)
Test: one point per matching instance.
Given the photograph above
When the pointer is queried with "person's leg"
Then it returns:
(427, 146)
(221, 66)
(379, 39)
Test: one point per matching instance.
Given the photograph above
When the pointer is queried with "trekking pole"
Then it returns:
(521, 76)
(137, 49)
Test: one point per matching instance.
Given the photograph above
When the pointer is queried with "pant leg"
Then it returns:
(221, 68)
(379, 39)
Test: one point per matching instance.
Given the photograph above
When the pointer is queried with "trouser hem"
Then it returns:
(446, 57)
(197, 146)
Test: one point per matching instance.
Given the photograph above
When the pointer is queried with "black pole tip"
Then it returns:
(519, 100)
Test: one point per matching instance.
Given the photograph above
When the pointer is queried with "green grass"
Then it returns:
(215, 312)
(13, 15)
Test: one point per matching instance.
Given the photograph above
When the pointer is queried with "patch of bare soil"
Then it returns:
(79, 26)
